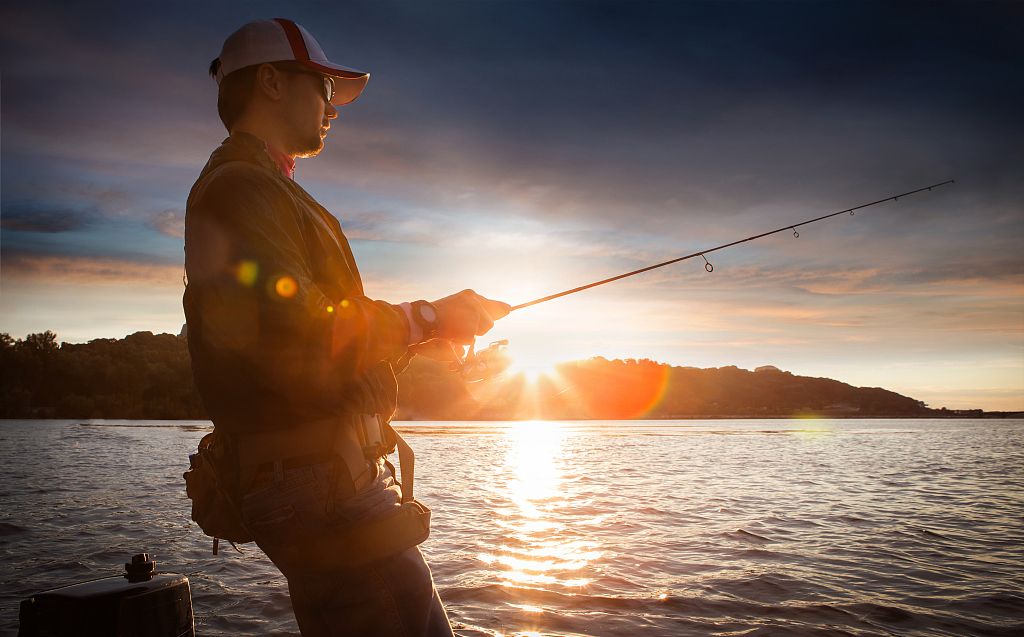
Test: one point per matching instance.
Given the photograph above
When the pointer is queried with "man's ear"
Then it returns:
(270, 82)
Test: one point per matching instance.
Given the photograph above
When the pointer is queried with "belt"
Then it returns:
(356, 440)
(330, 439)
(266, 473)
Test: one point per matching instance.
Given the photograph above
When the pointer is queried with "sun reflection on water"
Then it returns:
(543, 546)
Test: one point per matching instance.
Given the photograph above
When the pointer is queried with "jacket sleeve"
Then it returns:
(259, 305)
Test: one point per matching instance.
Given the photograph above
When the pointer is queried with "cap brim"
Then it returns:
(348, 83)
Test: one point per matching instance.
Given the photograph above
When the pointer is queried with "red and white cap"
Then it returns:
(281, 40)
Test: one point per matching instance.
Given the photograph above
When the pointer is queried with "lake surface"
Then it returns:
(771, 527)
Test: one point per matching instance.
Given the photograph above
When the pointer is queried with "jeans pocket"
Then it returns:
(273, 525)
(283, 514)
(286, 509)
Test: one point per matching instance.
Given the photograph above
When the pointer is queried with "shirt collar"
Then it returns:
(270, 156)
(284, 161)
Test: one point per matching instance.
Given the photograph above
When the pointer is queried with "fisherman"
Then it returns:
(295, 364)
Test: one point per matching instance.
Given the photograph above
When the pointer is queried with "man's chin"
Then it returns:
(311, 148)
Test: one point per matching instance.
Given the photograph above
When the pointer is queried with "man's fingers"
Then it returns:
(495, 309)
(466, 313)
(484, 325)
(489, 311)
(436, 349)
(463, 341)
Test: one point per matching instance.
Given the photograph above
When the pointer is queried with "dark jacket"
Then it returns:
(279, 330)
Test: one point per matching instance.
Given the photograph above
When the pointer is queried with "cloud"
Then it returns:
(484, 235)
(75, 204)
(621, 135)
(136, 94)
(88, 270)
(44, 217)
(169, 222)
(77, 218)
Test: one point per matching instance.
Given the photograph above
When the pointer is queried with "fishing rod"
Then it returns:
(476, 366)
(702, 253)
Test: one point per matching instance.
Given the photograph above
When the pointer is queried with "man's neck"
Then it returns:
(272, 135)
(285, 161)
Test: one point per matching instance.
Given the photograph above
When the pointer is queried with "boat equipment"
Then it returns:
(140, 602)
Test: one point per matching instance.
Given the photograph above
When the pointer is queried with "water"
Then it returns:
(774, 527)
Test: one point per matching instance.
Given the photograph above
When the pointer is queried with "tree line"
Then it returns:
(148, 376)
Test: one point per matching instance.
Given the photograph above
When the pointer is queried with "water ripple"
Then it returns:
(587, 528)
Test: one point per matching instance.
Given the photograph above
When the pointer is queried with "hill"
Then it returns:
(148, 376)
(624, 389)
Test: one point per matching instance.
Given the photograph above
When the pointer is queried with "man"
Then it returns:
(295, 364)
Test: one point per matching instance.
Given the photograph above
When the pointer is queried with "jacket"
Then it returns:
(280, 331)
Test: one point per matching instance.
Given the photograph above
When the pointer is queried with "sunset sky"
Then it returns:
(520, 148)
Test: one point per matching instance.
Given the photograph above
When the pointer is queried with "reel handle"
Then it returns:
(459, 361)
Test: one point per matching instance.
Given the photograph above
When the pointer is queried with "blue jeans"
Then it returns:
(392, 597)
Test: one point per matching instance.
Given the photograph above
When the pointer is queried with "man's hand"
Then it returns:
(439, 350)
(462, 316)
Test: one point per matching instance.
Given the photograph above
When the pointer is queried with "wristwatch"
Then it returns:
(425, 315)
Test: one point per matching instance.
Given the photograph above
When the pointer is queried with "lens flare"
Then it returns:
(246, 272)
(619, 390)
(286, 287)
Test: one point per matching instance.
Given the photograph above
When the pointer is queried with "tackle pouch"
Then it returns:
(214, 507)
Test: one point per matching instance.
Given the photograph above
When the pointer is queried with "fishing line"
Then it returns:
(703, 253)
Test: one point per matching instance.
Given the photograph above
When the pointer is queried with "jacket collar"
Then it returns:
(241, 146)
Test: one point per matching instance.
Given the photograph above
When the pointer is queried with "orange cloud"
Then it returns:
(69, 269)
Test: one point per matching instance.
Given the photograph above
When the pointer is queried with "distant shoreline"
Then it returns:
(147, 376)
(997, 415)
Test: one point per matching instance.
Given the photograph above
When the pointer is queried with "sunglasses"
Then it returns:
(328, 86)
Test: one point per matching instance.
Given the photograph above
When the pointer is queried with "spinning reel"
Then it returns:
(480, 365)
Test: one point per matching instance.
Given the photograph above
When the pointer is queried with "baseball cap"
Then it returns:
(281, 40)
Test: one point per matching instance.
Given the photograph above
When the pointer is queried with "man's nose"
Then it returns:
(331, 112)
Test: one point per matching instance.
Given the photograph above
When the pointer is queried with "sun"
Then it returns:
(532, 365)
(532, 373)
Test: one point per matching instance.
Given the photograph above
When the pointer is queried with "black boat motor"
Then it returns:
(138, 603)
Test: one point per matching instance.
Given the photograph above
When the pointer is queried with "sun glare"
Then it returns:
(539, 551)
(533, 360)
(531, 370)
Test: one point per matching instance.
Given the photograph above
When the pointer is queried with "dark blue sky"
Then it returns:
(558, 142)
